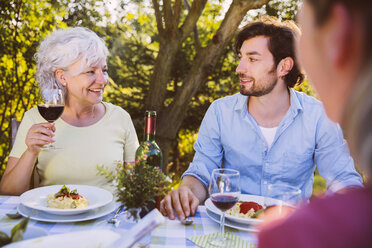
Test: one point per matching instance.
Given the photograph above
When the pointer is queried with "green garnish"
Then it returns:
(74, 192)
(65, 191)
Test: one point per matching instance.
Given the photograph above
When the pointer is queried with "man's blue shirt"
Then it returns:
(229, 135)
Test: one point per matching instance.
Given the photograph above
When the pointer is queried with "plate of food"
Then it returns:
(245, 211)
(244, 227)
(54, 218)
(66, 199)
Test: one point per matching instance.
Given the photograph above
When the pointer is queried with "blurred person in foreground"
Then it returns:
(89, 132)
(270, 132)
(335, 49)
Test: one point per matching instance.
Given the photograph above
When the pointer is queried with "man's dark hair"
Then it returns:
(281, 44)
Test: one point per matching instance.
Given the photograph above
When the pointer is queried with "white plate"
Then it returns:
(43, 216)
(92, 238)
(36, 198)
(229, 223)
(30, 233)
(243, 197)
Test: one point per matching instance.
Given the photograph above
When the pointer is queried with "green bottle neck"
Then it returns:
(149, 137)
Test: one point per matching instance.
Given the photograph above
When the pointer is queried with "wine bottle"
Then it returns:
(151, 152)
(148, 148)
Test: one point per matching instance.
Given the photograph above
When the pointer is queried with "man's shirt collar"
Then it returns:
(295, 106)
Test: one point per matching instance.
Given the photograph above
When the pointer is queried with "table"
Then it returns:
(170, 234)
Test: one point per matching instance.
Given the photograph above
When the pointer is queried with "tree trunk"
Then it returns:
(161, 75)
(171, 38)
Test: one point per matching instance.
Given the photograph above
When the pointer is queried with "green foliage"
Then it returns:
(307, 88)
(130, 65)
(23, 24)
(137, 184)
(319, 186)
(284, 10)
(183, 151)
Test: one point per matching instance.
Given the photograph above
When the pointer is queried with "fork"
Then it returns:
(14, 215)
(114, 220)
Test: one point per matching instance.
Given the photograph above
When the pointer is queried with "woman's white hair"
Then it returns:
(64, 47)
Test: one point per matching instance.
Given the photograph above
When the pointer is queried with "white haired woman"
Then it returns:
(90, 132)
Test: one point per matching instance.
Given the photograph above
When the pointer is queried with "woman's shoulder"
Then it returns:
(116, 111)
(32, 111)
(33, 115)
(353, 206)
(309, 224)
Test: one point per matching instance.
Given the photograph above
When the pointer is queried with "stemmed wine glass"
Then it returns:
(224, 191)
(51, 107)
(284, 198)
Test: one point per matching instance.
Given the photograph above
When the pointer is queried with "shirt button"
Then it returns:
(265, 182)
(266, 164)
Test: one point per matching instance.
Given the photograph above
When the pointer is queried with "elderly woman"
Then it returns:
(335, 49)
(89, 133)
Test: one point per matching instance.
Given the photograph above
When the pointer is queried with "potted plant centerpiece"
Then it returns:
(137, 184)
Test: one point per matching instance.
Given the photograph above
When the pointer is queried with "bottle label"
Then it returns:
(150, 125)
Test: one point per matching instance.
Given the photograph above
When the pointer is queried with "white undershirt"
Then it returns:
(269, 134)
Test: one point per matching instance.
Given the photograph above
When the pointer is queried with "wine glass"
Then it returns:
(224, 191)
(51, 106)
(284, 197)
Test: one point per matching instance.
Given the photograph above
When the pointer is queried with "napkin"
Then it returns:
(80, 239)
(202, 240)
(96, 238)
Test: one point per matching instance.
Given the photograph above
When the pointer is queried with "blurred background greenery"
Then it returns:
(139, 33)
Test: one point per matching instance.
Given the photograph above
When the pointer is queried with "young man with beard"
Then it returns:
(269, 132)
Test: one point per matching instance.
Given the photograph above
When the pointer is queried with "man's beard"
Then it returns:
(259, 91)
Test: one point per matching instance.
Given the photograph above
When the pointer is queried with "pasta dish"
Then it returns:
(66, 199)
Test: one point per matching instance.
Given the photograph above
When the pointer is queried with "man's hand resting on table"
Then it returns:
(183, 201)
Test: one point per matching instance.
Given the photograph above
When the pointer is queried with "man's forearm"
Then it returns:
(196, 187)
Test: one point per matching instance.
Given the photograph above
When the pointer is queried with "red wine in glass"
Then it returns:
(224, 202)
(51, 107)
(50, 112)
(224, 191)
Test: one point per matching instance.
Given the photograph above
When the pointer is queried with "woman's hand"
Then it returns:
(39, 135)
